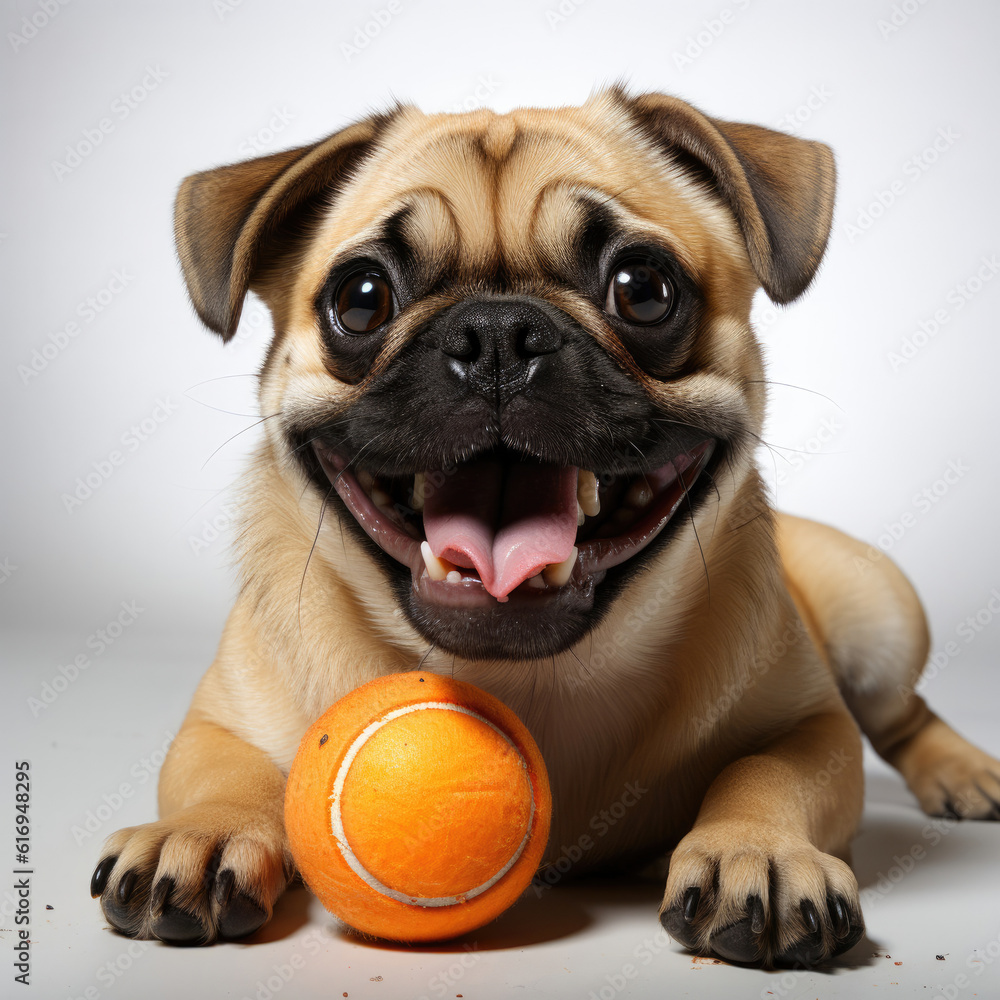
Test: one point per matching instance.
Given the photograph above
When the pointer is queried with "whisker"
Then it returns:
(220, 409)
(249, 427)
(312, 548)
(790, 385)
(694, 526)
(196, 511)
(219, 378)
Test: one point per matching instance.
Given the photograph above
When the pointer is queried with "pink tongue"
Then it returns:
(506, 522)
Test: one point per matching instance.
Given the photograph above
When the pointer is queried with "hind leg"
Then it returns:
(867, 621)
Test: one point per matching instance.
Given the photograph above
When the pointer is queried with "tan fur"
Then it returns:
(705, 685)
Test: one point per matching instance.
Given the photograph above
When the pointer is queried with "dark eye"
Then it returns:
(363, 302)
(639, 292)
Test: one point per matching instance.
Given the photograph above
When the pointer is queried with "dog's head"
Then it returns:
(512, 352)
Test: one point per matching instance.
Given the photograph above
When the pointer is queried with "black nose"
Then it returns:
(497, 345)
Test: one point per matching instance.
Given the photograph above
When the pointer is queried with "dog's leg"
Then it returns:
(762, 875)
(217, 859)
(868, 623)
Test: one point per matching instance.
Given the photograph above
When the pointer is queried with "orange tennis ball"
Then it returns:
(417, 808)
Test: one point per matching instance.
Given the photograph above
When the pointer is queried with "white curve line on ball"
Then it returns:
(341, 837)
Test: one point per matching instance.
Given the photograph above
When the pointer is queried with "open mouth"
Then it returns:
(502, 529)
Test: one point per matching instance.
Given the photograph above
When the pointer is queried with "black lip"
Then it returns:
(541, 626)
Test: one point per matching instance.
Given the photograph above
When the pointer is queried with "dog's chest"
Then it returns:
(611, 767)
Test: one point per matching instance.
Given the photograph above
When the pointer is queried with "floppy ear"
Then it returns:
(779, 188)
(229, 223)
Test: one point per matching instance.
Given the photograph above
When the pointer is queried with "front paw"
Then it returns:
(202, 873)
(759, 896)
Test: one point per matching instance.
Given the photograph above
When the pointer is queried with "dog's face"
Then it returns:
(512, 353)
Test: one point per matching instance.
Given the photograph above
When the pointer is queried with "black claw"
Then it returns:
(838, 916)
(175, 926)
(691, 899)
(161, 893)
(126, 886)
(809, 949)
(125, 907)
(241, 916)
(99, 880)
(809, 915)
(855, 931)
(948, 810)
(994, 812)
(755, 910)
(224, 886)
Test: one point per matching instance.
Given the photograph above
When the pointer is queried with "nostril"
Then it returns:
(461, 343)
(536, 338)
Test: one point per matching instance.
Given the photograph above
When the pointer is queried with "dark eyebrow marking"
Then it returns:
(394, 239)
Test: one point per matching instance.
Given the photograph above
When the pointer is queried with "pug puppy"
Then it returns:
(511, 409)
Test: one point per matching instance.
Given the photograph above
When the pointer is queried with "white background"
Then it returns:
(855, 440)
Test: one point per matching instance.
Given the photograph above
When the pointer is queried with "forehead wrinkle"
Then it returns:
(542, 159)
(455, 166)
(431, 220)
(427, 155)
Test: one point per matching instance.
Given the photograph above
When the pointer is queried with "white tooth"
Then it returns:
(365, 479)
(639, 494)
(580, 516)
(556, 574)
(437, 569)
(380, 498)
(586, 493)
(418, 491)
(536, 582)
(453, 576)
